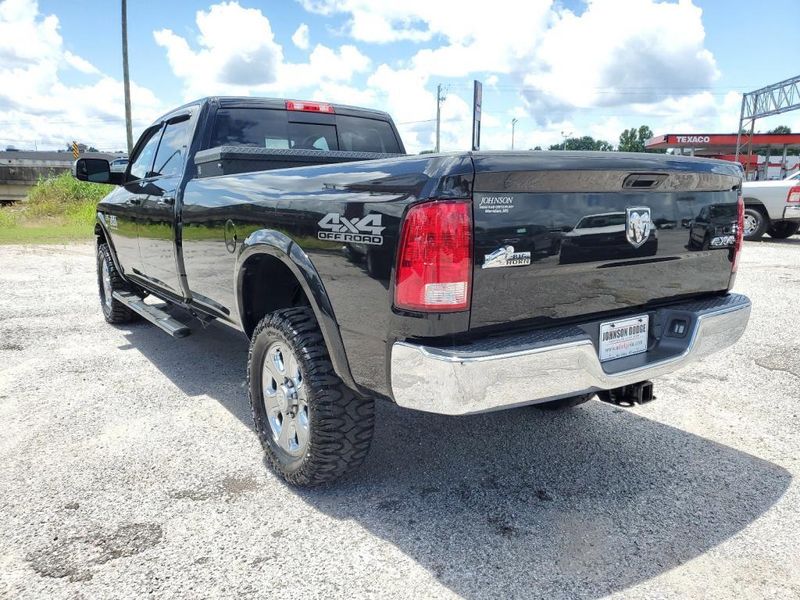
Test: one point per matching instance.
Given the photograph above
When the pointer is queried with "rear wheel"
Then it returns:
(783, 230)
(109, 281)
(564, 403)
(312, 427)
(755, 223)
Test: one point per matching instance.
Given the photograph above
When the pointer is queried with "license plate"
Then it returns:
(623, 338)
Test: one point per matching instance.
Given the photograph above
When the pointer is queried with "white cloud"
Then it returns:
(26, 40)
(237, 49)
(558, 59)
(38, 108)
(300, 37)
(80, 64)
(237, 54)
(382, 21)
(561, 69)
(616, 64)
(338, 65)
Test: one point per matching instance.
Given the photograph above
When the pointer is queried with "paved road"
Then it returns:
(128, 466)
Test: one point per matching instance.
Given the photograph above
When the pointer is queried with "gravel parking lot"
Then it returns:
(128, 466)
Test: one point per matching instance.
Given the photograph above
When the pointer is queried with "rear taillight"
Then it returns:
(434, 266)
(794, 194)
(320, 107)
(739, 240)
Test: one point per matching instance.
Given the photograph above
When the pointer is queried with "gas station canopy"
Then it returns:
(716, 144)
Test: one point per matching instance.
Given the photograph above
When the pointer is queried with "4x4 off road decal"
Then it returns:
(357, 230)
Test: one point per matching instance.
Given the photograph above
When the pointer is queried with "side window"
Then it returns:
(143, 161)
(173, 148)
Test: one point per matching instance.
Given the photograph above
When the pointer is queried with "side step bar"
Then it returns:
(153, 314)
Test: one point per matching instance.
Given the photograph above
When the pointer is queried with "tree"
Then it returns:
(586, 142)
(782, 130)
(633, 139)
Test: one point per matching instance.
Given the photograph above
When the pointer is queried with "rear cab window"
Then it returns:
(289, 130)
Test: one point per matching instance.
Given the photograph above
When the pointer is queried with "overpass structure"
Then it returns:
(20, 170)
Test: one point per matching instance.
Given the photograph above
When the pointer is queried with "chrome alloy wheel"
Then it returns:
(750, 224)
(285, 399)
(106, 276)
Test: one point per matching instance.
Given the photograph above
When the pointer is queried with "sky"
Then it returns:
(560, 67)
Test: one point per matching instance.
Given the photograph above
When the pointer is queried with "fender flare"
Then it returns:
(100, 221)
(278, 245)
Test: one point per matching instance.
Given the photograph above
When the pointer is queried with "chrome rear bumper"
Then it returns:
(544, 365)
(791, 212)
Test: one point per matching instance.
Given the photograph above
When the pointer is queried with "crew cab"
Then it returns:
(454, 283)
(772, 207)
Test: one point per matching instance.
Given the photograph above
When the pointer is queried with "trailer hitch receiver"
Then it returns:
(629, 395)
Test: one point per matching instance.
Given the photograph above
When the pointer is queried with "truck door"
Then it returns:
(124, 224)
(157, 225)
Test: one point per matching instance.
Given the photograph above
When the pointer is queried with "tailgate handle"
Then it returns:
(643, 181)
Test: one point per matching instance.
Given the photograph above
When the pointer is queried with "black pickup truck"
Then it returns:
(452, 283)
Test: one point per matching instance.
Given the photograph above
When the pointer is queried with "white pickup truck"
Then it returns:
(772, 207)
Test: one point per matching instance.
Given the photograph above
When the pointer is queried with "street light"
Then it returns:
(565, 136)
(513, 124)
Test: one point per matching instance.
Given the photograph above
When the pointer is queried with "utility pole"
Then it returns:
(513, 124)
(439, 99)
(125, 76)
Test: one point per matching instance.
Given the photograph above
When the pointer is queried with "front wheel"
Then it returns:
(109, 281)
(755, 223)
(312, 427)
(783, 230)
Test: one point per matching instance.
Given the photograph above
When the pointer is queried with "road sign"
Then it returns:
(75, 152)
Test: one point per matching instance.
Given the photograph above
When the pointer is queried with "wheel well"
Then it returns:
(757, 204)
(267, 285)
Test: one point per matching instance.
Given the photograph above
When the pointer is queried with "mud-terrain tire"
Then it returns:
(313, 428)
(109, 281)
(564, 403)
(755, 223)
(783, 230)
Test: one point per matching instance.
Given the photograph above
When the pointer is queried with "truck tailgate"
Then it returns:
(560, 235)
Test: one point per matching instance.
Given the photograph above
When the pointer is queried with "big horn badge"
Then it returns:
(638, 225)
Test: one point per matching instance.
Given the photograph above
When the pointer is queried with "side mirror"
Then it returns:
(95, 170)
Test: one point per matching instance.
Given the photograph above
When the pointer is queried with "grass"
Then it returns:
(59, 209)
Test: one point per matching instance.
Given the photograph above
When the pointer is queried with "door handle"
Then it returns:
(167, 200)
